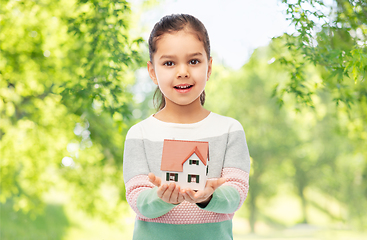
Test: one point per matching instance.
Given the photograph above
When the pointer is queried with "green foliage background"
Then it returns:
(65, 68)
(67, 75)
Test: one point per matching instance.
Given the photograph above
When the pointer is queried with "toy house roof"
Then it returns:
(176, 152)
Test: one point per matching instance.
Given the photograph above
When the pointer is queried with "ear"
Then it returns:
(151, 72)
(210, 64)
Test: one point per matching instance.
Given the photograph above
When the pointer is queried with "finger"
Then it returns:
(161, 190)
(158, 181)
(221, 181)
(181, 197)
(188, 198)
(189, 195)
(214, 184)
(210, 187)
(167, 194)
(204, 194)
(153, 179)
(174, 195)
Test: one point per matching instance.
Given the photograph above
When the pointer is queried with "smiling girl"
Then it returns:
(180, 65)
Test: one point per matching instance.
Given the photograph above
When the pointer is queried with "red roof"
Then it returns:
(176, 152)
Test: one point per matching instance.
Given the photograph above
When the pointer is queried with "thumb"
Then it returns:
(153, 179)
(217, 183)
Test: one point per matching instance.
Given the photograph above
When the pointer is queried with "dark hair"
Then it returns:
(174, 23)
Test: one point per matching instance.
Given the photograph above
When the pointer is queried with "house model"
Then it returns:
(185, 163)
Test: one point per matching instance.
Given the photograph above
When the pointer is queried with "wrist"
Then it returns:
(205, 202)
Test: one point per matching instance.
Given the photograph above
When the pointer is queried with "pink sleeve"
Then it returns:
(134, 187)
(238, 179)
(142, 196)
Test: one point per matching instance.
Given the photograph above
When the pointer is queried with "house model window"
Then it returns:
(192, 178)
(194, 162)
(172, 177)
(185, 163)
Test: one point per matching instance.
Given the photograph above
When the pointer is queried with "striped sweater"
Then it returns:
(229, 158)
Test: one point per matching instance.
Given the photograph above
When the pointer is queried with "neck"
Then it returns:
(190, 113)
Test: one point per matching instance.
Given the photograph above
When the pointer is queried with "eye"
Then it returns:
(168, 64)
(194, 61)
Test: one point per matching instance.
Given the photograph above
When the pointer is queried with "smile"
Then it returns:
(183, 86)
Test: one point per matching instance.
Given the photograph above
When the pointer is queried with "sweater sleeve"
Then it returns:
(236, 166)
(141, 194)
(143, 199)
(229, 197)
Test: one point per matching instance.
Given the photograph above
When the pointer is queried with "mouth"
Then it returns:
(183, 86)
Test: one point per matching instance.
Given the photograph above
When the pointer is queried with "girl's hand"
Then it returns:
(203, 196)
(169, 193)
(154, 179)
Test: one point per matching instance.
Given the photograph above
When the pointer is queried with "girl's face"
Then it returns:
(180, 67)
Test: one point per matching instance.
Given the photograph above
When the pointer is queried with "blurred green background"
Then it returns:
(73, 80)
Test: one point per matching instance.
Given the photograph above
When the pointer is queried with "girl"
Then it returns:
(180, 65)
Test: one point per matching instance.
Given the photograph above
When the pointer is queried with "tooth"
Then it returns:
(183, 87)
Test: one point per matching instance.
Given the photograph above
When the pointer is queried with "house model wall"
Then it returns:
(185, 163)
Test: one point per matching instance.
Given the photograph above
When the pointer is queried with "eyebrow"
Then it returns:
(167, 56)
(190, 55)
(195, 54)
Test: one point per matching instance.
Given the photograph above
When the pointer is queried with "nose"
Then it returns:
(183, 71)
